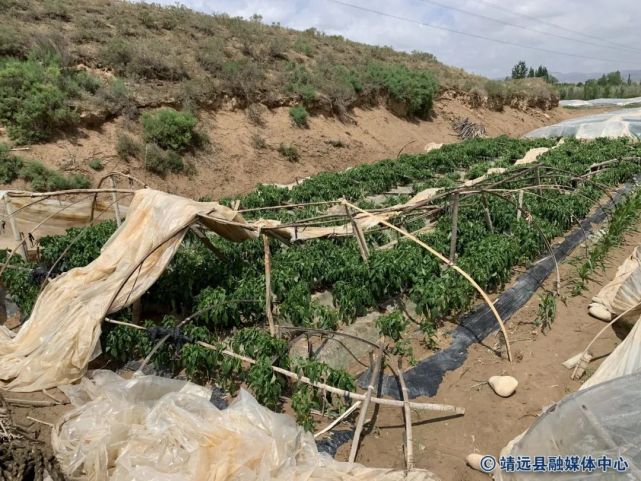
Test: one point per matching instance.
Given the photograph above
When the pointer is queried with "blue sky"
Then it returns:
(606, 22)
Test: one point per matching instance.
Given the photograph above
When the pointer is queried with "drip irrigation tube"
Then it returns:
(425, 378)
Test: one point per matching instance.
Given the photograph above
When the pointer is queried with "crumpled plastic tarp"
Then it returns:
(602, 420)
(599, 102)
(56, 343)
(155, 429)
(620, 123)
(621, 293)
(625, 359)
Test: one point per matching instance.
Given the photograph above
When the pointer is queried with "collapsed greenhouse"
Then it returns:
(234, 294)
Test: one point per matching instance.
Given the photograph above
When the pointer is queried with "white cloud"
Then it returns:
(613, 21)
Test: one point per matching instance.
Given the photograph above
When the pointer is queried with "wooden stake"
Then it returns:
(205, 240)
(338, 420)
(22, 249)
(373, 380)
(407, 413)
(114, 197)
(520, 205)
(488, 216)
(268, 286)
(362, 245)
(455, 202)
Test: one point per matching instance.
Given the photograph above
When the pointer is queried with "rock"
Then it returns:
(504, 386)
(474, 461)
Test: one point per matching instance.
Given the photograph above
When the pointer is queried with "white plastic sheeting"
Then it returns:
(622, 293)
(625, 359)
(600, 102)
(61, 336)
(156, 429)
(620, 123)
(602, 420)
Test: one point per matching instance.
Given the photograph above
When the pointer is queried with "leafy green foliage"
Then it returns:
(127, 147)
(44, 179)
(547, 311)
(82, 245)
(415, 88)
(35, 97)
(10, 165)
(18, 282)
(96, 164)
(299, 115)
(162, 161)
(170, 129)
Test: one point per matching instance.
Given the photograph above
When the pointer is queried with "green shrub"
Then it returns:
(414, 88)
(170, 129)
(290, 152)
(162, 161)
(10, 165)
(302, 46)
(43, 179)
(127, 147)
(12, 42)
(96, 164)
(34, 99)
(299, 115)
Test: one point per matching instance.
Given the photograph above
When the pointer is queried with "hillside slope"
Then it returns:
(234, 163)
(260, 103)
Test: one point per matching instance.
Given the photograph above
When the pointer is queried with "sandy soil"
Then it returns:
(233, 164)
(442, 443)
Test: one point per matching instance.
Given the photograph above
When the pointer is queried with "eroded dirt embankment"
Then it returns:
(242, 154)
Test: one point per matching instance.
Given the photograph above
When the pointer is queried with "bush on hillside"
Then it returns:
(43, 179)
(10, 165)
(290, 152)
(34, 98)
(414, 88)
(127, 147)
(299, 115)
(162, 161)
(170, 129)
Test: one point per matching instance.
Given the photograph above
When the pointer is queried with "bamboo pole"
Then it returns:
(114, 198)
(407, 414)
(325, 387)
(455, 202)
(268, 286)
(447, 262)
(488, 216)
(202, 237)
(22, 193)
(360, 238)
(22, 249)
(520, 205)
(338, 420)
(373, 380)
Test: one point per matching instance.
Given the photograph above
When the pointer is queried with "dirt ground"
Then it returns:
(234, 163)
(490, 422)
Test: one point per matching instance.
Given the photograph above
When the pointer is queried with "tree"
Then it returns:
(531, 73)
(519, 70)
(629, 80)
